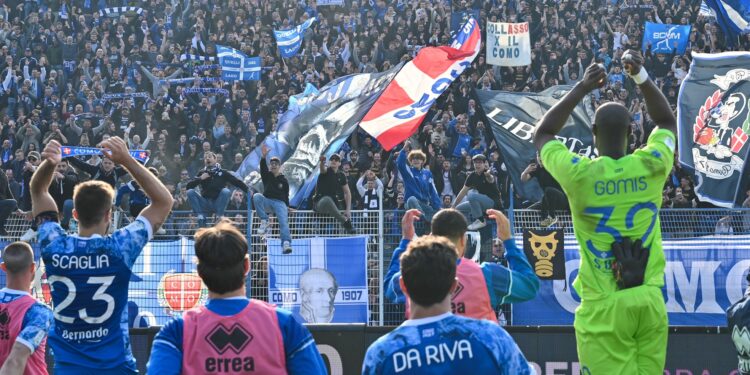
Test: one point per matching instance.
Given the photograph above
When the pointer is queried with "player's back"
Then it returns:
(446, 344)
(89, 285)
(610, 199)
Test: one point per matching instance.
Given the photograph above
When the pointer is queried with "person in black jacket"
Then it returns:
(738, 317)
(7, 203)
(105, 171)
(63, 183)
(275, 198)
(214, 195)
(331, 185)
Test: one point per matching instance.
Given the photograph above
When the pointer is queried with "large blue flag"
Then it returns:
(733, 16)
(236, 66)
(317, 125)
(289, 41)
(665, 38)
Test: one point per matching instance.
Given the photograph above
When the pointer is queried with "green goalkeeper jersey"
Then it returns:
(610, 199)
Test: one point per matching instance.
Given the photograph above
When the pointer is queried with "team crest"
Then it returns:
(179, 292)
(721, 128)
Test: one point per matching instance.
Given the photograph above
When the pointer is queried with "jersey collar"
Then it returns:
(428, 320)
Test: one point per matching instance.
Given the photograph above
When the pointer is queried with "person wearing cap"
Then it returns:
(481, 193)
(275, 198)
(332, 184)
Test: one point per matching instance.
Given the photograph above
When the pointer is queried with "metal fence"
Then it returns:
(383, 229)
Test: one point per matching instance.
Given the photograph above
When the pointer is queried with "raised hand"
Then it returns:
(407, 223)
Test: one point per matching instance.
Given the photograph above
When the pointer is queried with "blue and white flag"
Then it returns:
(236, 66)
(733, 16)
(299, 101)
(323, 281)
(316, 128)
(706, 10)
(665, 38)
(289, 41)
(63, 11)
(70, 151)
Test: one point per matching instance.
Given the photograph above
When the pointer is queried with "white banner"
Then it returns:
(508, 44)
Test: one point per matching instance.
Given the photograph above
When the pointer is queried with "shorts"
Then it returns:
(625, 333)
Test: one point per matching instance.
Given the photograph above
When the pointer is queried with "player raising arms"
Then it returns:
(621, 324)
(89, 272)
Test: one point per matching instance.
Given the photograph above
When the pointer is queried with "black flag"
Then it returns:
(513, 117)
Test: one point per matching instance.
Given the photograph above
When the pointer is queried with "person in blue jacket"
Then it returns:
(419, 187)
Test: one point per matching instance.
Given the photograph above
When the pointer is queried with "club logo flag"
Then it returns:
(323, 281)
(513, 117)
(545, 251)
(289, 41)
(69, 151)
(236, 66)
(713, 112)
(318, 125)
(665, 38)
(404, 103)
(733, 16)
(508, 44)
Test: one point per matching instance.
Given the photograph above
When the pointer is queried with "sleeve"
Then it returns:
(302, 356)
(131, 239)
(232, 179)
(124, 189)
(48, 232)
(562, 164)
(660, 147)
(166, 350)
(82, 165)
(515, 283)
(510, 357)
(373, 363)
(263, 167)
(434, 197)
(193, 183)
(391, 286)
(36, 324)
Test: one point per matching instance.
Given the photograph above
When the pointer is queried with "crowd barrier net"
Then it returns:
(383, 231)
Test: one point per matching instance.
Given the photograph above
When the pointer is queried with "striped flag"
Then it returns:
(733, 17)
(402, 106)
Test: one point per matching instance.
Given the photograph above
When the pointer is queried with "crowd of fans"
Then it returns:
(72, 72)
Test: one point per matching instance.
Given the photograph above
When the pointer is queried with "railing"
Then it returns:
(384, 233)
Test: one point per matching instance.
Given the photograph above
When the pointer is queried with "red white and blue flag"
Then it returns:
(396, 115)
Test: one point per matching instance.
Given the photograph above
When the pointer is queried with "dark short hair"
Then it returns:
(221, 251)
(18, 257)
(428, 268)
(449, 223)
(92, 201)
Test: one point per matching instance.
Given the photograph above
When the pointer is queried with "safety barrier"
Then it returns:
(384, 233)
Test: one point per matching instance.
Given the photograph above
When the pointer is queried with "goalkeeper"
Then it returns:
(621, 324)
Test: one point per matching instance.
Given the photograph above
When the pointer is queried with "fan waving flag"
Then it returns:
(236, 66)
(289, 41)
(399, 111)
(733, 16)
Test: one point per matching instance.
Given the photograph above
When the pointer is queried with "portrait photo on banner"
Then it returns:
(323, 281)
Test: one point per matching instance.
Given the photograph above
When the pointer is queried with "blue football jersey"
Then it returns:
(446, 344)
(88, 279)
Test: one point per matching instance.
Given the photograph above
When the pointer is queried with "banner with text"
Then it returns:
(513, 116)
(703, 277)
(508, 44)
(323, 281)
(664, 38)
